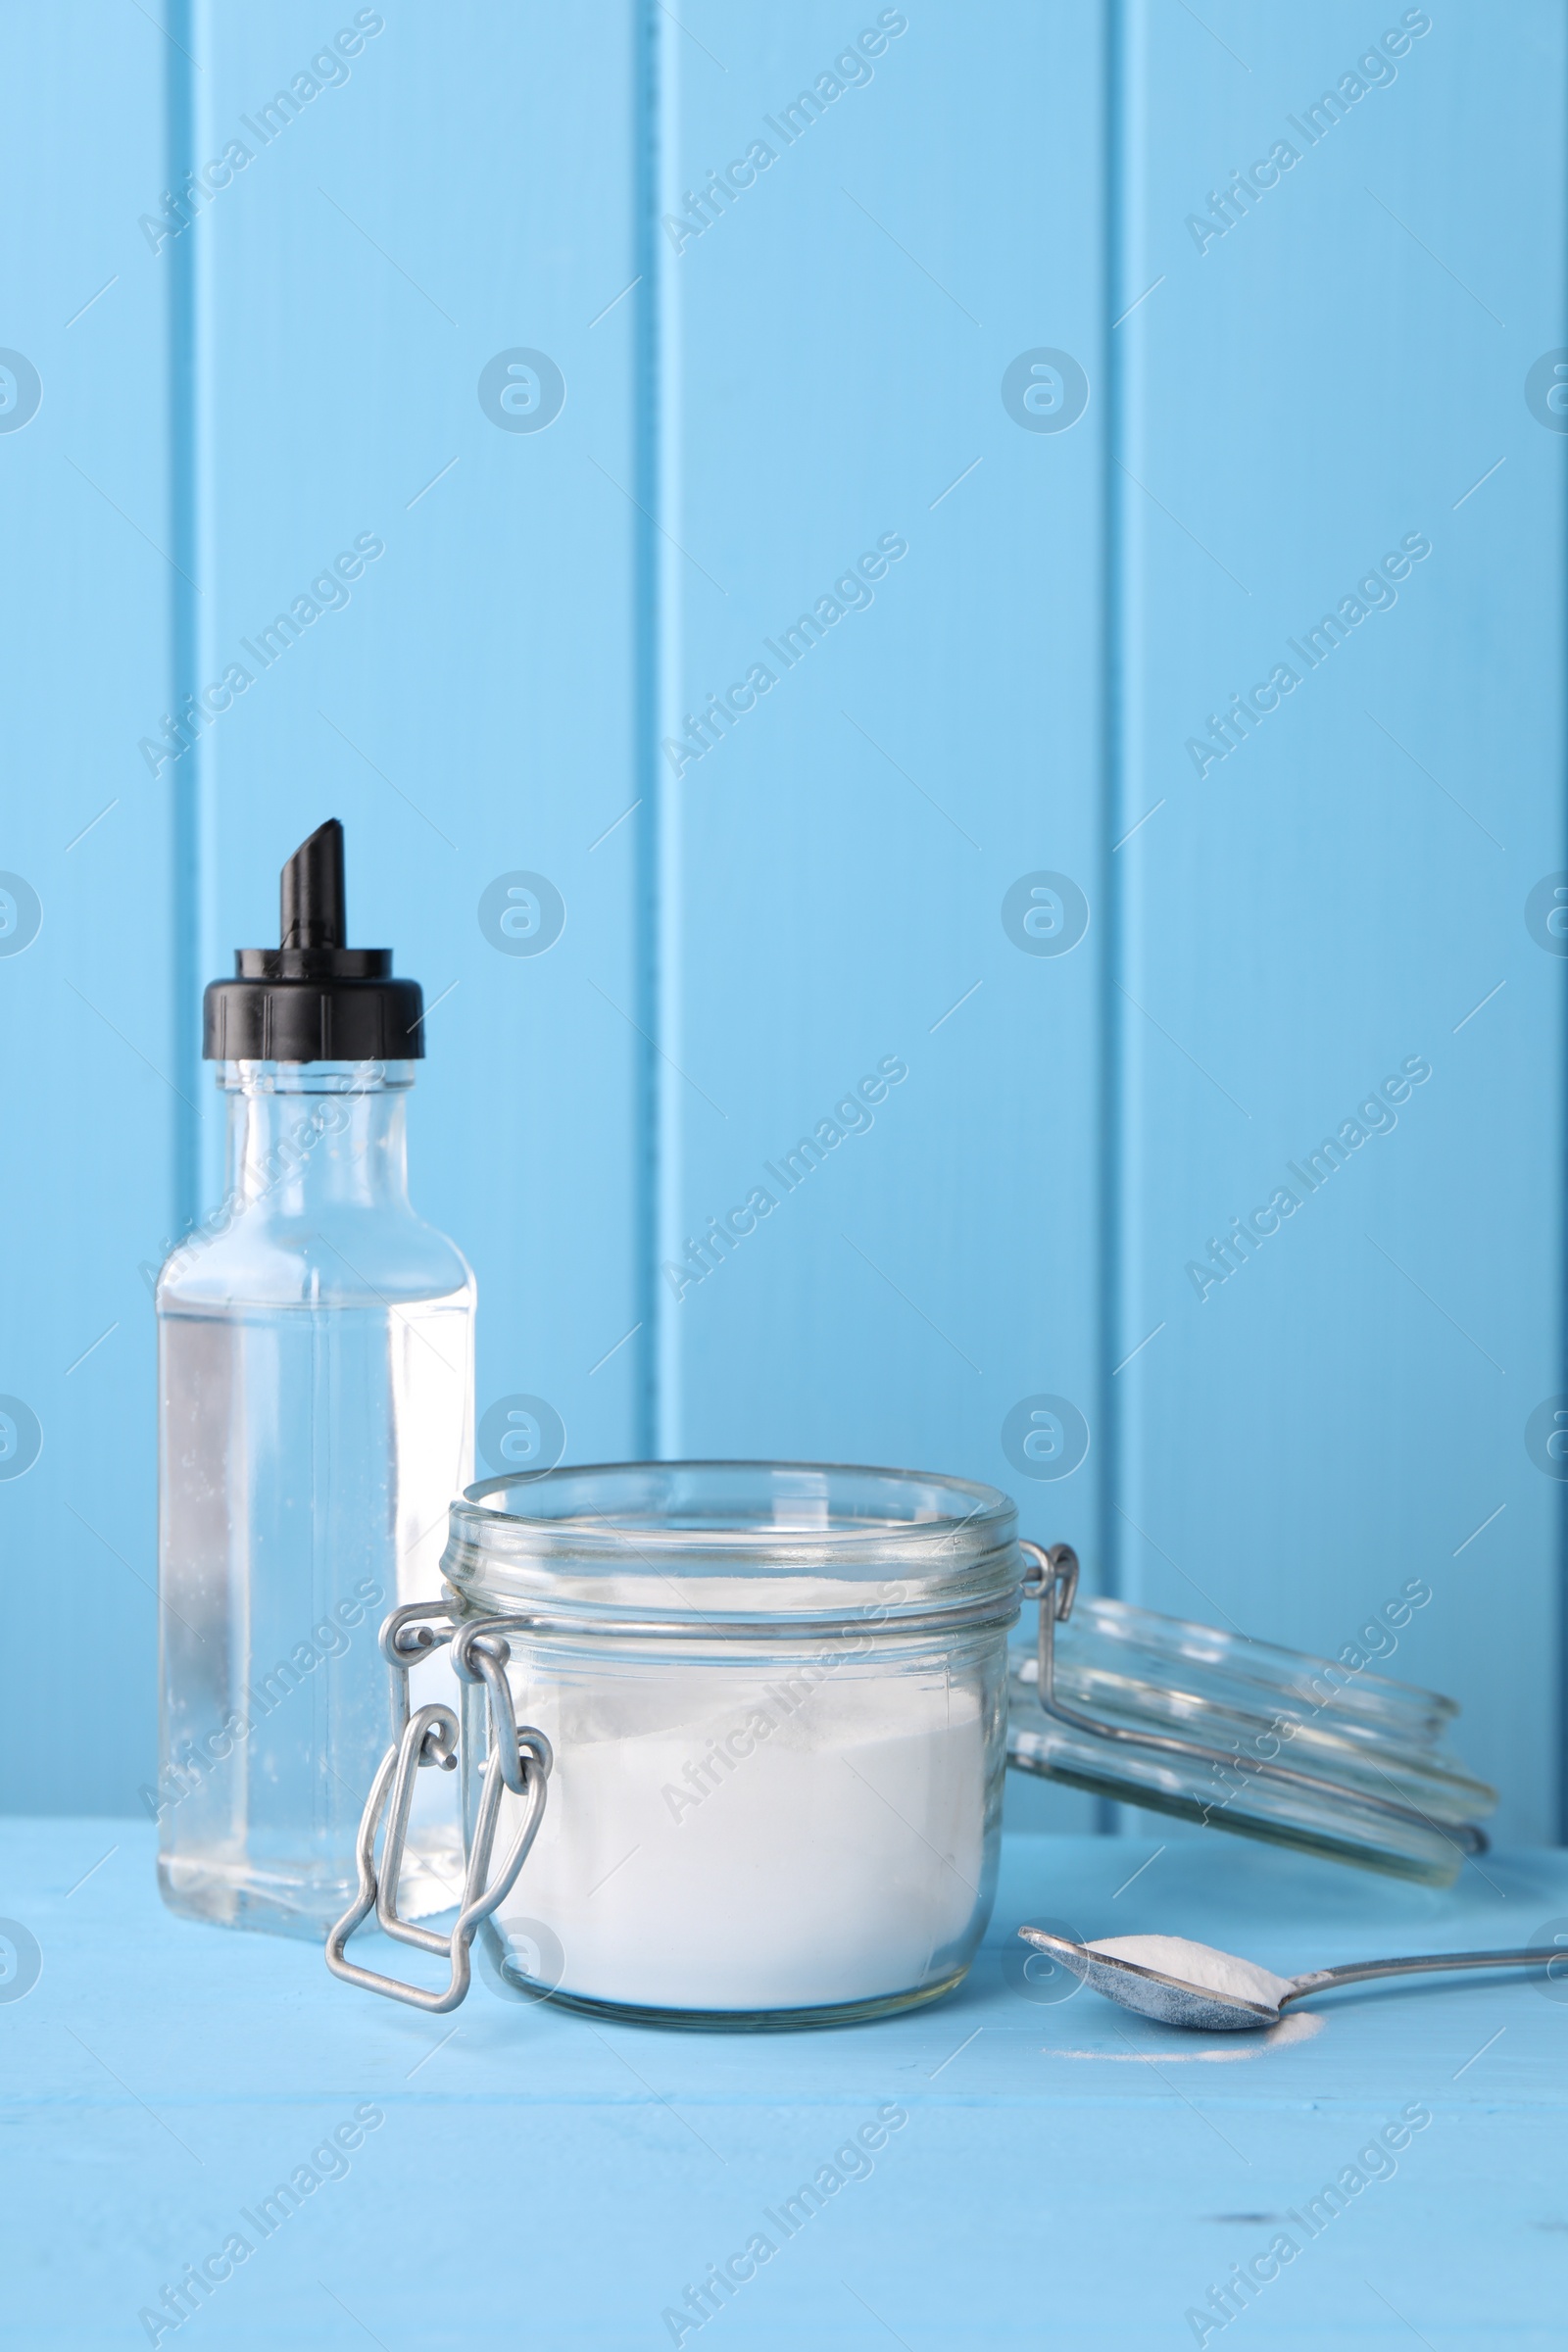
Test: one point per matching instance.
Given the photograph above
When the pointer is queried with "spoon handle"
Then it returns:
(1357, 1972)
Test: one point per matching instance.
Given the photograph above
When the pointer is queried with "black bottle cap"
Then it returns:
(313, 998)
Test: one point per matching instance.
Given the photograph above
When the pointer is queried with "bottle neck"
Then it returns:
(302, 1136)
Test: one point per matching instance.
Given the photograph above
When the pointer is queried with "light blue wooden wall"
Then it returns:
(815, 372)
(1340, 373)
(96, 1104)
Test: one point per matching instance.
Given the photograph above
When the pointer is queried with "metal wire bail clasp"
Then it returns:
(519, 1759)
(1053, 1580)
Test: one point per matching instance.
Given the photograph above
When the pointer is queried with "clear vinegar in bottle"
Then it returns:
(315, 1421)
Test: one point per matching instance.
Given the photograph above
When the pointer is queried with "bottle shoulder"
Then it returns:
(346, 1254)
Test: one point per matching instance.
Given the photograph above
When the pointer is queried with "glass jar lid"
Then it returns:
(1384, 1790)
(688, 1546)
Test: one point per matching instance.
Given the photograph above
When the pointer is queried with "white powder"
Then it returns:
(1198, 1964)
(841, 1859)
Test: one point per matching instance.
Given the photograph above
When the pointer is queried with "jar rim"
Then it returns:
(736, 1543)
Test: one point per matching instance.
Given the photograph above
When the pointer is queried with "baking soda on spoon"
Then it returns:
(1196, 1964)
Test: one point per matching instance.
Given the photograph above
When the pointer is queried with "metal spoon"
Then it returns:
(1115, 1968)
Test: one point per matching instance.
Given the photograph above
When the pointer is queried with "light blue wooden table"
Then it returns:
(1063, 2175)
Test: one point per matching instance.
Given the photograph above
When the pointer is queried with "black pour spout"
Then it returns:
(313, 998)
(314, 914)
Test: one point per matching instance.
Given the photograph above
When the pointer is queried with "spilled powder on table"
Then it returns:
(1219, 2049)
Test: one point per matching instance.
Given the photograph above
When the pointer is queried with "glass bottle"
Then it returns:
(316, 1382)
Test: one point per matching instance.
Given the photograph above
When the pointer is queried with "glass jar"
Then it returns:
(770, 1703)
